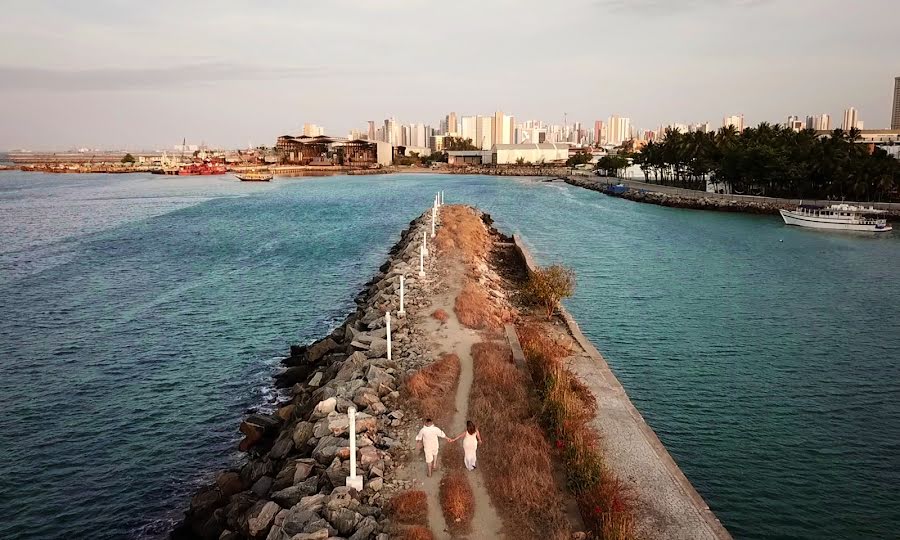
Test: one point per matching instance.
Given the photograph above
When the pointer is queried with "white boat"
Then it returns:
(841, 217)
(254, 176)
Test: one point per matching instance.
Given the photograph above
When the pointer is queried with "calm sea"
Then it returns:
(141, 316)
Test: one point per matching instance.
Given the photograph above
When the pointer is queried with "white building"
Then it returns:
(467, 128)
(735, 120)
(312, 130)
(505, 154)
(850, 120)
(484, 132)
(618, 130)
(820, 122)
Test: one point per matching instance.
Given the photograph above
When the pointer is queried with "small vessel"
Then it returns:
(841, 217)
(254, 176)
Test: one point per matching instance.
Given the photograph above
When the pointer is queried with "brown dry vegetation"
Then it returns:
(462, 233)
(516, 454)
(416, 533)
(433, 388)
(566, 408)
(409, 507)
(457, 500)
(476, 310)
(440, 315)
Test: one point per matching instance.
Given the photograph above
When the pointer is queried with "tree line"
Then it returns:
(773, 161)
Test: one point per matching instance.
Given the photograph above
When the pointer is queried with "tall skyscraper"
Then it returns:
(735, 120)
(850, 119)
(312, 130)
(468, 130)
(794, 122)
(504, 128)
(452, 127)
(895, 116)
(618, 130)
(598, 129)
(819, 122)
(392, 133)
(484, 132)
(371, 130)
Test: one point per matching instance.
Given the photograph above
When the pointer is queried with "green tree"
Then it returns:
(458, 143)
(580, 158)
(547, 286)
(128, 159)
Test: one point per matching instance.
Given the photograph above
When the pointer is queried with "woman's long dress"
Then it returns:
(470, 445)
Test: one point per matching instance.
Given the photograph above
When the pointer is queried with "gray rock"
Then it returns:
(325, 407)
(297, 519)
(316, 379)
(302, 469)
(365, 529)
(283, 445)
(327, 448)
(290, 496)
(260, 524)
(365, 397)
(351, 367)
(378, 377)
(377, 349)
(302, 434)
(321, 534)
(262, 486)
(343, 519)
(376, 484)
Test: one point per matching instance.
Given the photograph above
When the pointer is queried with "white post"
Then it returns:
(425, 242)
(387, 327)
(442, 197)
(421, 263)
(353, 480)
(433, 215)
(402, 311)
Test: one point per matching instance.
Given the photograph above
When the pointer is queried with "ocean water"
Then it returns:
(141, 316)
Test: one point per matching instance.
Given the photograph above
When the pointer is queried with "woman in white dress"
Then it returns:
(471, 438)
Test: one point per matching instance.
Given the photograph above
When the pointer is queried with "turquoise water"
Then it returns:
(142, 316)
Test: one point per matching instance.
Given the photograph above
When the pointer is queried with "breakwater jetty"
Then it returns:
(446, 330)
(700, 200)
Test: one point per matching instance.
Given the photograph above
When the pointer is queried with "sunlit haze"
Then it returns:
(109, 74)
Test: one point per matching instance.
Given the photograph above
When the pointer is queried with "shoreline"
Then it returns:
(673, 197)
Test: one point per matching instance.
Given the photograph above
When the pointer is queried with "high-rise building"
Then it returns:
(818, 122)
(467, 128)
(795, 123)
(312, 130)
(895, 115)
(371, 130)
(598, 129)
(392, 133)
(504, 128)
(618, 130)
(484, 132)
(735, 120)
(452, 127)
(850, 119)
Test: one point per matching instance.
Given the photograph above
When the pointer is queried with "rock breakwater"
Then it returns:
(292, 483)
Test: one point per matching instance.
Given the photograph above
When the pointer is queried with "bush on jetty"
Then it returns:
(566, 409)
(440, 315)
(475, 309)
(416, 533)
(462, 233)
(433, 388)
(547, 286)
(409, 507)
(516, 456)
(457, 500)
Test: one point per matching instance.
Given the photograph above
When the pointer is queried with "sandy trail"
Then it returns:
(452, 337)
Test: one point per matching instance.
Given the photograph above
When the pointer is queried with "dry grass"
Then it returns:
(409, 507)
(433, 388)
(416, 533)
(566, 408)
(462, 233)
(440, 315)
(516, 454)
(475, 309)
(457, 500)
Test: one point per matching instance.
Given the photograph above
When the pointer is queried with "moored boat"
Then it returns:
(254, 176)
(840, 217)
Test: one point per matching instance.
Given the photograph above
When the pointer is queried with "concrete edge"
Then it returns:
(669, 463)
(513, 338)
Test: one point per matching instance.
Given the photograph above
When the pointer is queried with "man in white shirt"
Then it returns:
(428, 439)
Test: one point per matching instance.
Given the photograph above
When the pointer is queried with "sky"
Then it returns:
(229, 73)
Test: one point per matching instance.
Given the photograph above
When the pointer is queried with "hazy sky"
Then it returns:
(108, 73)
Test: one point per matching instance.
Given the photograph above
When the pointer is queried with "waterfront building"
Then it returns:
(327, 151)
(391, 131)
(504, 128)
(895, 114)
(737, 121)
(312, 130)
(484, 132)
(505, 154)
(850, 119)
(452, 127)
(460, 158)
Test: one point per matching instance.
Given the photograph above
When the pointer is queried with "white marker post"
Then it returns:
(354, 481)
(425, 242)
(401, 312)
(433, 215)
(387, 328)
(421, 263)
(442, 197)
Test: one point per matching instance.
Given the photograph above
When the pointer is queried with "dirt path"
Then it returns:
(449, 337)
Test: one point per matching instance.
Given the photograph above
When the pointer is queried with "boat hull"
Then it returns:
(814, 222)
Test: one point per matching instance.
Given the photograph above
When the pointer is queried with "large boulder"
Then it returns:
(327, 448)
(293, 375)
(377, 349)
(259, 525)
(302, 433)
(290, 496)
(365, 529)
(324, 408)
(229, 483)
(283, 446)
(343, 519)
(351, 368)
(339, 424)
(302, 469)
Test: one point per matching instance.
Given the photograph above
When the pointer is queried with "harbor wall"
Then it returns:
(667, 505)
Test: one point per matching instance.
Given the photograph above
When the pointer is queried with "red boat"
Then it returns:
(202, 169)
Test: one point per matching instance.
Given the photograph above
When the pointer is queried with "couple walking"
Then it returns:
(429, 436)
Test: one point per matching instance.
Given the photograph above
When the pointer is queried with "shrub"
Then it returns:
(440, 315)
(462, 233)
(410, 507)
(476, 310)
(457, 500)
(547, 286)
(433, 388)
(417, 533)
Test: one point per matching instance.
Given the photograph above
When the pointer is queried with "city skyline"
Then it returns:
(101, 76)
